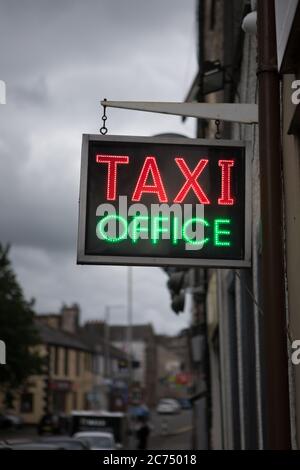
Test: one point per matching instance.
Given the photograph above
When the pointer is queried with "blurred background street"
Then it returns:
(200, 350)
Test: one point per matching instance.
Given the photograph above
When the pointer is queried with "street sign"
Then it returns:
(164, 201)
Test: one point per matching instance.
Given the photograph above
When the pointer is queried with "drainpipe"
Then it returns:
(275, 340)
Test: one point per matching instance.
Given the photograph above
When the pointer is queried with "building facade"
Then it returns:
(81, 371)
(174, 374)
(234, 313)
(67, 381)
(143, 350)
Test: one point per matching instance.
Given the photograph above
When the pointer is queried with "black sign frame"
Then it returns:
(94, 259)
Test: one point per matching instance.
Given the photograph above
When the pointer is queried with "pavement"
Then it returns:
(179, 440)
(26, 432)
(170, 432)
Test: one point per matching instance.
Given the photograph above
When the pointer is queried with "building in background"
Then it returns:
(111, 367)
(87, 367)
(174, 375)
(287, 25)
(76, 374)
(234, 408)
(68, 379)
(143, 349)
(231, 310)
(67, 319)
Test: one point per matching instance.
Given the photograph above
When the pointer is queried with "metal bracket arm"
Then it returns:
(232, 112)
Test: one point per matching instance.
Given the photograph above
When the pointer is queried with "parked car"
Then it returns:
(139, 411)
(168, 406)
(67, 442)
(10, 420)
(101, 421)
(97, 440)
(4, 423)
(4, 446)
(15, 421)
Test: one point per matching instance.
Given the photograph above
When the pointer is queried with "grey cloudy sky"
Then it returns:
(59, 58)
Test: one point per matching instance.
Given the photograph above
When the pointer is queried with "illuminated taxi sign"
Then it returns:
(158, 201)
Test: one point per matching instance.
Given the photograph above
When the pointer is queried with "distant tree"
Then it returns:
(17, 330)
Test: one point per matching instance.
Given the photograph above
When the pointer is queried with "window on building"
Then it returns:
(74, 401)
(100, 364)
(77, 362)
(51, 352)
(59, 401)
(95, 365)
(26, 405)
(56, 359)
(88, 361)
(66, 362)
(86, 401)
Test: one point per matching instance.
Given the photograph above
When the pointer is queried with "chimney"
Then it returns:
(70, 317)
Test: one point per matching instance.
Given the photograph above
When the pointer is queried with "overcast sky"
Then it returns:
(59, 58)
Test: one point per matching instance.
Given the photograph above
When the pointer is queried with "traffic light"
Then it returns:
(176, 285)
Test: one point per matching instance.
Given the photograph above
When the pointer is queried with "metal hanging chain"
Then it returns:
(218, 132)
(103, 129)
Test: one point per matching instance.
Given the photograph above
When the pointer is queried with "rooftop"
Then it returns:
(57, 337)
